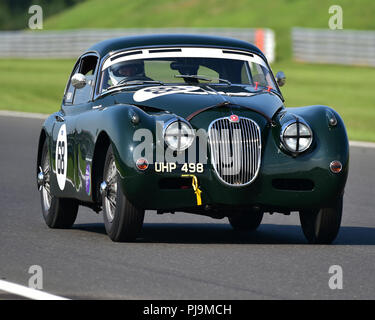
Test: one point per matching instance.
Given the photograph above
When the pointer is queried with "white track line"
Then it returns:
(26, 292)
(6, 113)
(362, 144)
(19, 114)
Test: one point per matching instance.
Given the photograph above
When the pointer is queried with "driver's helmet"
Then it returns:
(127, 69)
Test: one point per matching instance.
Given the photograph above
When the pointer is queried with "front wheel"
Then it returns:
(322, 226)
(123, 221)
(58, 213)
(246, 221)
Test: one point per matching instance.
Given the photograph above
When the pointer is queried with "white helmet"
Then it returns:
(126, 69)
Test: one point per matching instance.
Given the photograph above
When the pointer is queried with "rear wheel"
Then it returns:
(322, 226)
(246, 221)
(123, 221)
(58, 213)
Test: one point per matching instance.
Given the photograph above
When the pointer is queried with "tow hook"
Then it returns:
(196, 189)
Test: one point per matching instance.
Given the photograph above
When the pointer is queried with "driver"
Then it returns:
(128, 70)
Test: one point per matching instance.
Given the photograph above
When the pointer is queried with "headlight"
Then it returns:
(296, 136)
(178, 135)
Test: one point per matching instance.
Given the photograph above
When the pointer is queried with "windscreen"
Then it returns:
(194, 69)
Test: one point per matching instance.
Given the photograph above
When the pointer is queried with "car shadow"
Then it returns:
(216, 233)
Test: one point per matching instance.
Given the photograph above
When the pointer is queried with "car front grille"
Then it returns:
(235, 150)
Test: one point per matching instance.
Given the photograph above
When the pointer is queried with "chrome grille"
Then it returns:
(235, 150)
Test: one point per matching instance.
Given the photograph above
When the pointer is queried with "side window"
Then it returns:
(261, 75)
(257, 74)
(69, 94)
(87, 68)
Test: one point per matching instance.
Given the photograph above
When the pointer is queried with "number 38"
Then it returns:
(192, 167)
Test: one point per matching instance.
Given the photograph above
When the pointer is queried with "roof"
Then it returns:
(161, 40)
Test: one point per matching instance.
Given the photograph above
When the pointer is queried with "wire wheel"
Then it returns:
(123, 221)
(45, 187)
(57, 212)
(110, 195)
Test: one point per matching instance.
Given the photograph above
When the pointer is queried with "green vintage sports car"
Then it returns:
(188, 123)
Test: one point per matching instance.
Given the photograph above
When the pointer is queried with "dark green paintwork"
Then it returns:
(142, 188)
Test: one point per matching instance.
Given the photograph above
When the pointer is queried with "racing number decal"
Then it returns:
(149, 93)
(61, 157)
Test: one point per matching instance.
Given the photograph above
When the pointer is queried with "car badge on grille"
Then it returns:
(234, 118)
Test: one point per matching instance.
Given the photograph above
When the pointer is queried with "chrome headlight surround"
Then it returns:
(178, 134)
(296, 136)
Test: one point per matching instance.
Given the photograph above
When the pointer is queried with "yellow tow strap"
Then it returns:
(195, 187)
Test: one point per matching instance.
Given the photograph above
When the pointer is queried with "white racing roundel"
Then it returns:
(61, 157)
(153, 92)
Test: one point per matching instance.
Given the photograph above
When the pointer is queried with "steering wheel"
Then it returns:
(134, 79)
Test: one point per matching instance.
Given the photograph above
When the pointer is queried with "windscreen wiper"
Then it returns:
(200, 77)
(135, 82)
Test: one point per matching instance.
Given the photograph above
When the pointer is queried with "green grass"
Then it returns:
(38, 85)
(33, 85)
(279, 15)
(223, 13)
(348, 90)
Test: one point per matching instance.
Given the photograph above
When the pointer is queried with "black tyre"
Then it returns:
(122, 220)
(246, 221)
(322, 226)
(58, 213)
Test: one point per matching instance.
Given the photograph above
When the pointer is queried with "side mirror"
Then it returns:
(280, 78)
(78, 81)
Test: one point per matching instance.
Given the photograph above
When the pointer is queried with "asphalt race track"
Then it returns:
(179, 256)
